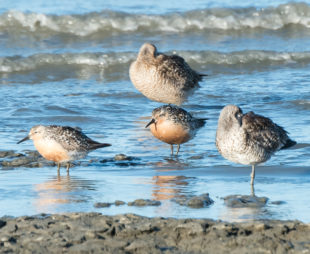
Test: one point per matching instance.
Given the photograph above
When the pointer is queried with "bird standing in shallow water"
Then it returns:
(162, 78)
(174, 125)
(249, 139)
(61, 143)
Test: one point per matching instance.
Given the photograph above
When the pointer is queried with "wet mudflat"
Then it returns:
(128, 233)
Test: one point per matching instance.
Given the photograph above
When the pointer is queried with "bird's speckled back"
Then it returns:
(178, 116)
(162, 78)
(71, 139)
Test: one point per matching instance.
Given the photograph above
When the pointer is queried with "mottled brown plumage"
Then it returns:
(61, 143)
(163, 78)
(174, 125)
(263, 131)
(249, 138)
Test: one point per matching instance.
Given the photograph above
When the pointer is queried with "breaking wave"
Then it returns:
(123, 59)
(109, 22)
(19, 64)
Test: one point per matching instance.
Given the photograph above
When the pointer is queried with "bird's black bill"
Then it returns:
(151, 122)
(24, 139)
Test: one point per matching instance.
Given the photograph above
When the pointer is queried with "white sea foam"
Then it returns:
(271, 18)
(245, 57)
(123, 59)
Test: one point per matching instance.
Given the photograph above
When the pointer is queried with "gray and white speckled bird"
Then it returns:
(249, 138)
(174, 125)
(61, 143)
(163, 78)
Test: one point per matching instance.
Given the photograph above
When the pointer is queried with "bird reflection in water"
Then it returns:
(61, 190)
(168, 186)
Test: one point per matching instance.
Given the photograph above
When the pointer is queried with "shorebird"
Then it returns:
(162, 78)
(61, 143)
(174, 125)
(249, 138)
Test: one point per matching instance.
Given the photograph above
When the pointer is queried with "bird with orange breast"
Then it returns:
(163, 78)
(62, 144)
(174, 125)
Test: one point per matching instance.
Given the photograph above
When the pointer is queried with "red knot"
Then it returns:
(249, 138)
(174, 125)
(162, 78)
(61, 144)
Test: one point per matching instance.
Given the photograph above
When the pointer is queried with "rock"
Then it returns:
(119, 202)
(238, 201)
(144, 202)
(106, 160)
(137, 244)
(31, 159)
(2, 223)
(34, 154)
(102, 205)
(196, 157)
(122, 157)
(121, 160)
(10, 153)
(191, 227)
(199, 201)
(18, 162)
(279, 202)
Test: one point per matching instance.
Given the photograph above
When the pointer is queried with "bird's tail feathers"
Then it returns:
(99, 145)
(289, 143)
(203, 75)
(201, 122)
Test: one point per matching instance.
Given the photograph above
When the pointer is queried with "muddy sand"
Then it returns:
(128, 233)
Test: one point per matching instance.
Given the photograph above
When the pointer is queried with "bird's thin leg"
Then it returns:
(178, 150)
(171, 150)
(252, 190)
(68, 167)
(253, 175)
(58, 170)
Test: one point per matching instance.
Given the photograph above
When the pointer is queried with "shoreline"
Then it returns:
(130, 233)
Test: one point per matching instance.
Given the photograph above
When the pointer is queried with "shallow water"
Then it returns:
(60, 64)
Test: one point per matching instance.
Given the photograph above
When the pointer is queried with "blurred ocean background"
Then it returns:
(66, 63)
